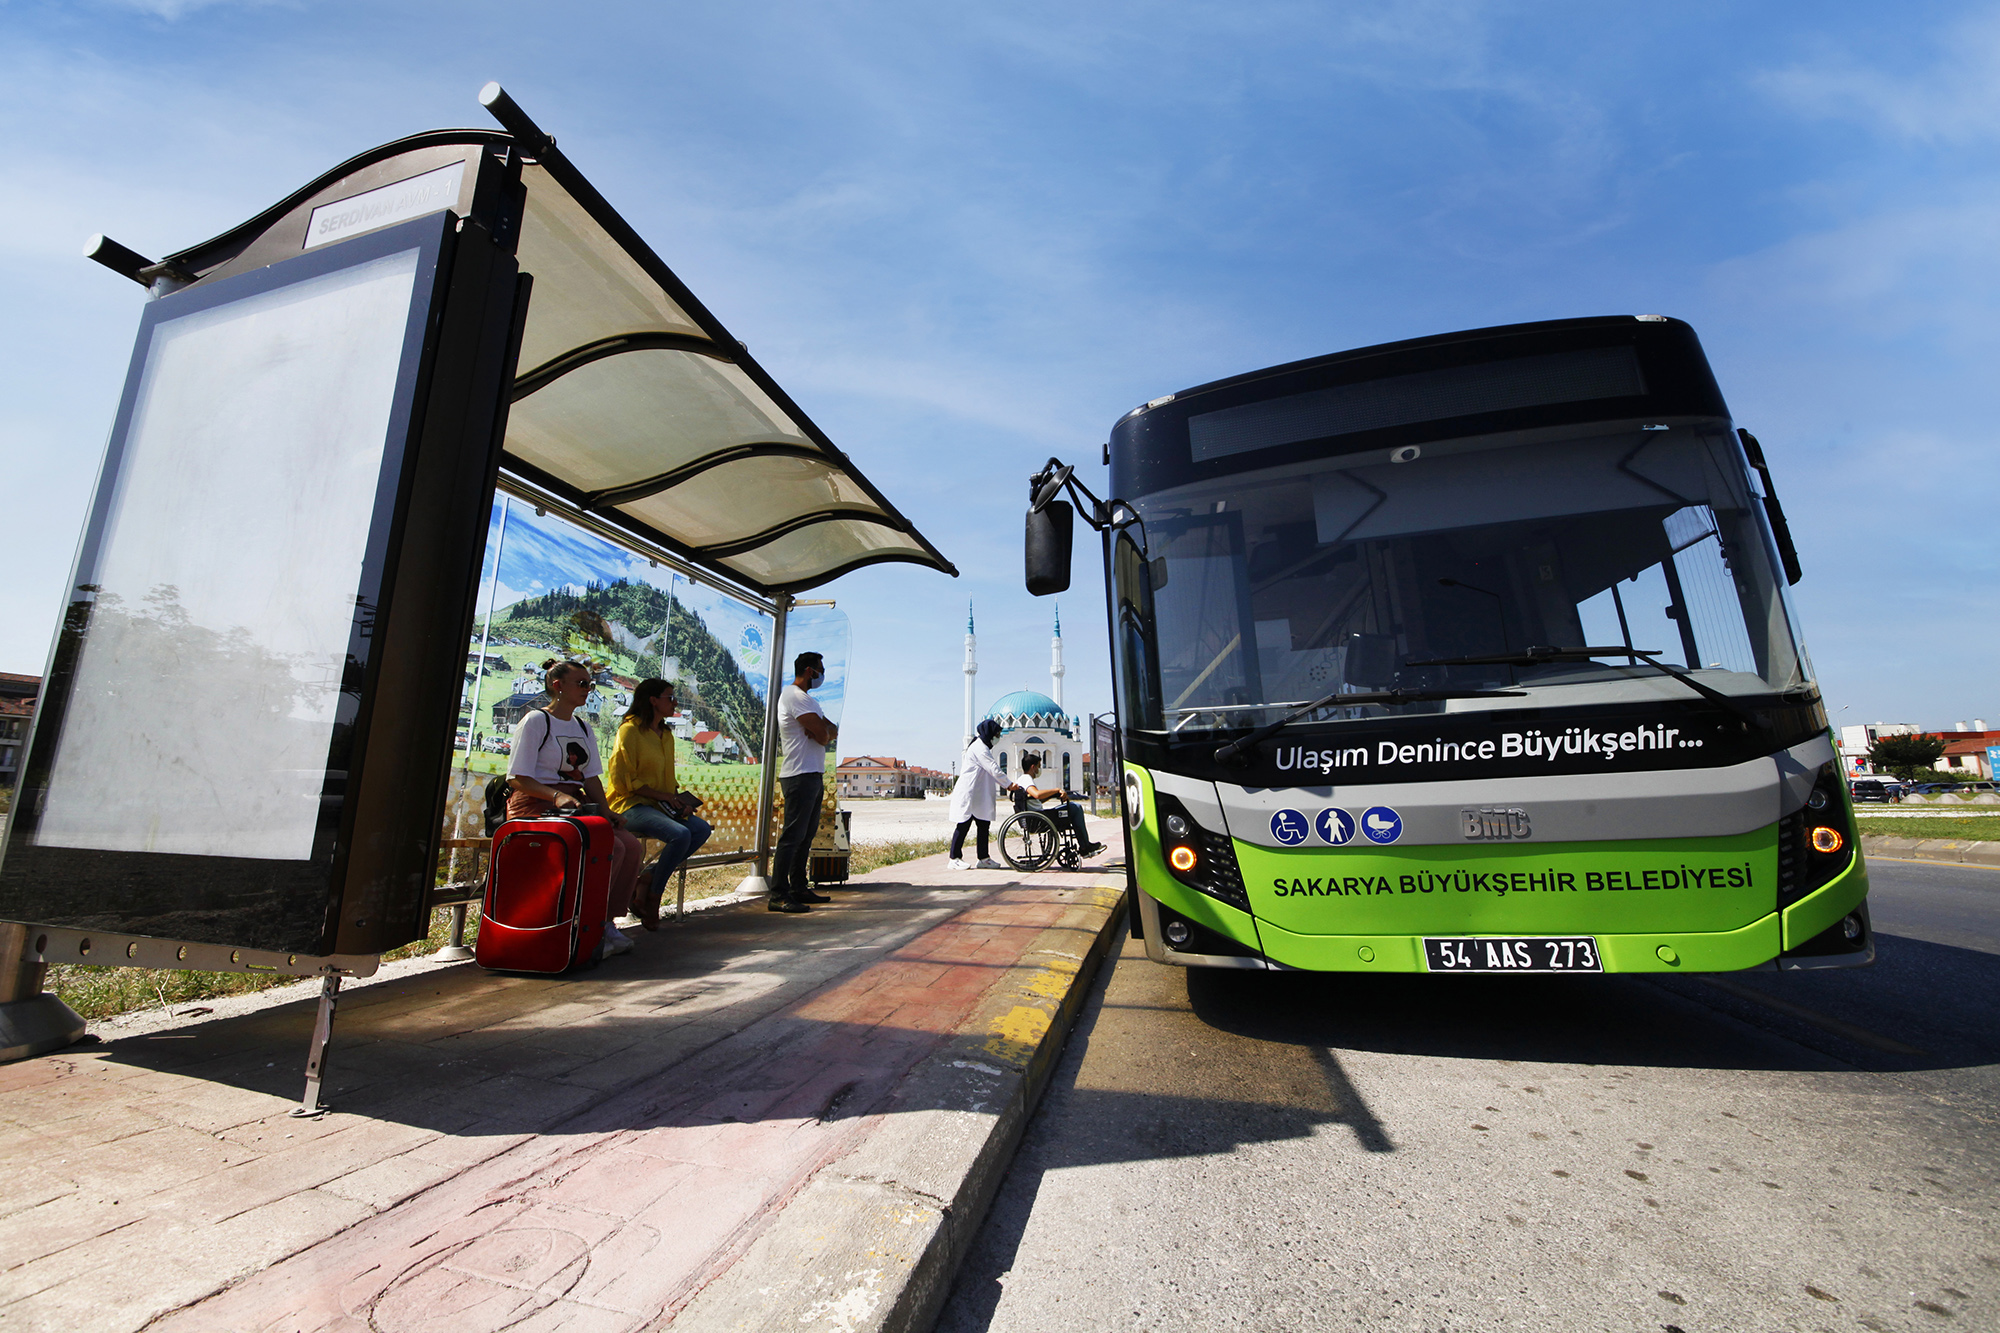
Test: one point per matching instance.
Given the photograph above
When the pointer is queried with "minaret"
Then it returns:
(1056, 663)
(971, 670)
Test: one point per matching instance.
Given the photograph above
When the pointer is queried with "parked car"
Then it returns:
(1865, 790)
(1955, 788)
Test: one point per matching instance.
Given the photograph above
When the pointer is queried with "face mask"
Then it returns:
(818, 679)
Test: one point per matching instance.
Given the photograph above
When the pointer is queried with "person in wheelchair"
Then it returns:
(1068, 812)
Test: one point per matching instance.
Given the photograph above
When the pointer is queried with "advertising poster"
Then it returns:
(551, 591)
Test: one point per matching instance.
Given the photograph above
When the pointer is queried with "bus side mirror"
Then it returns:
(1051, 532)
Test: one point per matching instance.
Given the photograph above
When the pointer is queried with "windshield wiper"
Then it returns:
(1537, 655)
(1227, 753)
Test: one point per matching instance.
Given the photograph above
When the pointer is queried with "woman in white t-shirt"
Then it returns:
(555, 766)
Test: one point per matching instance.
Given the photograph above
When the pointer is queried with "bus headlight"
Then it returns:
(1203, 860)
(1815, 842)
(1178, 932)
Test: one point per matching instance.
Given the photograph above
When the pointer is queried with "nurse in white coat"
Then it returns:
(979, 782)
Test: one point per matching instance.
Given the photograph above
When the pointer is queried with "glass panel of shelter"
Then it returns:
(586, 287)
(740, 499)
(822, 548)
(639, 414)
(615, 611)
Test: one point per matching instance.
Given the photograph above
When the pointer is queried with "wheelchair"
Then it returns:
(1034, 839)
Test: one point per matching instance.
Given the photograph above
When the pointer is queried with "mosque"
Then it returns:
(1031, 722)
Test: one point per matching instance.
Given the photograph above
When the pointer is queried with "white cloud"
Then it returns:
(1932, 271)
(1956, 99)
(175, 10)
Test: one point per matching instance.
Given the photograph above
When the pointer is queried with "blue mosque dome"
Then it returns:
(1023, 703)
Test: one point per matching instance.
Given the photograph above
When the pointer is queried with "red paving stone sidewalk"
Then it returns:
(677, 1116)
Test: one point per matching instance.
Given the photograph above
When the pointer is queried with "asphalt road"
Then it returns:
(1763, 1151)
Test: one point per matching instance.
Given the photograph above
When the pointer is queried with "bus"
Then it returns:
(1472, 653)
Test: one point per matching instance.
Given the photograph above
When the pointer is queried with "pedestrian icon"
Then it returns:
(1289, 827)
(1335, 827)
(1382, 825)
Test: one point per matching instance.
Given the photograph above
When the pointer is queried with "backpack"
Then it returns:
(498, 789)
(497, 792)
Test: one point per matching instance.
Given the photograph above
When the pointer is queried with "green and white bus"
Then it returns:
(1472, 653)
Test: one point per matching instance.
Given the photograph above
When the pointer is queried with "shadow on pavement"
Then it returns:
(472, 1053)
(1941, 999)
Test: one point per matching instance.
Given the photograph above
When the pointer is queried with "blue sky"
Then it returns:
(965, 239)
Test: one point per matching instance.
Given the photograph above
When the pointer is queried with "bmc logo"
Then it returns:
(1494, 825)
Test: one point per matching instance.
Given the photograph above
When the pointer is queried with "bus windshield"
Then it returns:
(1275, 587)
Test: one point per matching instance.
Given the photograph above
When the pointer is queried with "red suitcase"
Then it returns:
(547, 882)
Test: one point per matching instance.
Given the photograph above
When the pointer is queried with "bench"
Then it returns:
(460, 892)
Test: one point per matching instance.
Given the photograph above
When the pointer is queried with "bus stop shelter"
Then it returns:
(358, 369)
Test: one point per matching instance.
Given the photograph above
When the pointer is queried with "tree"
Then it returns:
(1906, 756)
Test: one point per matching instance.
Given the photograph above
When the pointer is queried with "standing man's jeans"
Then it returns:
(803, 795)
(683, 838)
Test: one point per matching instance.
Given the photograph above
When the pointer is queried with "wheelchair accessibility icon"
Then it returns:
(1289, 827)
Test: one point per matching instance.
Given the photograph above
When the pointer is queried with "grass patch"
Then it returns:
(875, 855)
(1963, 830)
(103, 992)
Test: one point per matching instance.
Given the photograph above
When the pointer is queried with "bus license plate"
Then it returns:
(1540, 953)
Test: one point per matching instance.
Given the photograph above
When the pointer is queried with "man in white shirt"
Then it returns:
(805, 732)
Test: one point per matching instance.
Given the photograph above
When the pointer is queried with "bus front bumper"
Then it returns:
(1807, 934)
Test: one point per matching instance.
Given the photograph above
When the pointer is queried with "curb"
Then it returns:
(875, 1239)
(1950, 851)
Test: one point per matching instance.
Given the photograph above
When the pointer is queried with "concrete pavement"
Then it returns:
(918, 819)
(898, 820)
(756, 1120)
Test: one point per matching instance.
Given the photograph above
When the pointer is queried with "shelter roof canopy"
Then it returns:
(631, 402)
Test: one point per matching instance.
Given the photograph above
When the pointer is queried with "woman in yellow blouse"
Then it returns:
(639, 781)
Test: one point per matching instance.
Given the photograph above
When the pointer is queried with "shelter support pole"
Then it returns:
(774, 756)
(31, 1021)
(486, 638)
(329, 1000)
(456, 950)
(681, 894)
